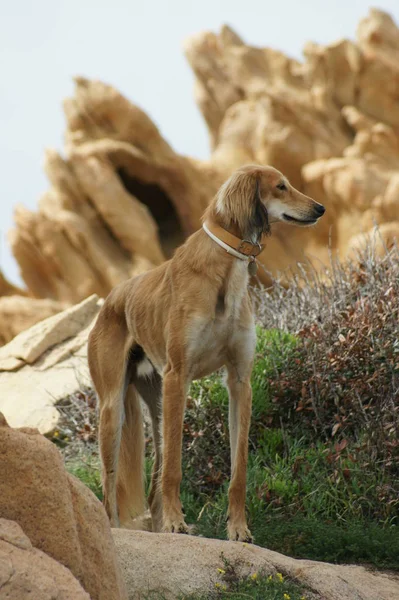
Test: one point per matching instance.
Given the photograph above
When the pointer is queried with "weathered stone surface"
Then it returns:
(122, 199)
(45, 364)
(18, 313)
(362, 187)
(177, 564)
(27, 573)
(8, 289)
(58, 514)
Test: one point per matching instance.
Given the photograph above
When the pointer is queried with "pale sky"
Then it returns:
(137, 47)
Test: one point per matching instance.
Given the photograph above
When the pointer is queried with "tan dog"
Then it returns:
(180, 321)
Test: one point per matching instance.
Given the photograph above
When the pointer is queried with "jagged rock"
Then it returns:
(9, 289)
(378, 38)
(178, 565)
(60, 516)
(121, 200)
(18, 313)
(362, 187)
(27, 573)
(45, 364)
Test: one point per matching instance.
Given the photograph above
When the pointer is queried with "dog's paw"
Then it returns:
(239, 533)
(174, 526)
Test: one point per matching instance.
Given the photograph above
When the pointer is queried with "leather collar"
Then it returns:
(238, 245)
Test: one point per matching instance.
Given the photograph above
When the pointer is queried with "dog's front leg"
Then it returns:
(240, 395)
(174, 390)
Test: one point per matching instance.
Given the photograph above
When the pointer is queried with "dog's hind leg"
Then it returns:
(109, 338)
(150, 389)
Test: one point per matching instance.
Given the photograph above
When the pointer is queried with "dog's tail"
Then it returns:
(130, 491)
(121, 438)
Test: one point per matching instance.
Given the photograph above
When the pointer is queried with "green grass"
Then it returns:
(257, 586)
(88, 471)
(308, 495)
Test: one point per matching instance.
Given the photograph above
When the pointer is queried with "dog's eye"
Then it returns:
(281, 186)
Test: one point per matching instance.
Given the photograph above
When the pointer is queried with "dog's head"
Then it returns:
(255, 196)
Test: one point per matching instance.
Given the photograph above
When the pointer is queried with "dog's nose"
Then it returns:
(320, 210)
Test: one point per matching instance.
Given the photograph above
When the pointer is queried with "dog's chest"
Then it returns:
(212, 338)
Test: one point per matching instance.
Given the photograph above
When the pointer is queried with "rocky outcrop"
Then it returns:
(44, 365)
(121, 200)
(9, 289)
(18, 313)
(59, 517)
(179, 565)
(27, 573)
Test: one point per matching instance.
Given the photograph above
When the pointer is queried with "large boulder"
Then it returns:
(174, 565)
(27, 573)
(18, 313)
(45, 364)
(60, 516)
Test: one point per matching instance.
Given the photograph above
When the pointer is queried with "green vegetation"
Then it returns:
(87, 469)
(256, 586)
(307, 496)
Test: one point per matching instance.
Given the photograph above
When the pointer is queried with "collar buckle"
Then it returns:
(249, 249)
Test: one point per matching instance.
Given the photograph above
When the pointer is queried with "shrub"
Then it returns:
(344, 377)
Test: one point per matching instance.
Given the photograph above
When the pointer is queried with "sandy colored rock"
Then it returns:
(9, 289)
(362, 186)
(186, 564)
(59, 515)
(45, 364)
(27, 573)
(18, 313)
(56, 329)
(122, 199)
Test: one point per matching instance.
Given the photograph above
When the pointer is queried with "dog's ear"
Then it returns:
(258, 221)
(238, 202)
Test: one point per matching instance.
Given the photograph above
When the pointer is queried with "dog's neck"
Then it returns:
(253, 232)
(228, 232)
(232, 244)
(214, 216)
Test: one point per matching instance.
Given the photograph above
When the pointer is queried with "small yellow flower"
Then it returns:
(224, 587)
(254, 576)
(287, 597)
(221, 571)
(270, 578)
(56, 433)
(279, 577)
(218, 585)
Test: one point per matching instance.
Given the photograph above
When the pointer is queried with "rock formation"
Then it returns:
(8, 289)
(45, 364)
(182, 565)
(19, 312)
(59, 517)
(121, 199)
(27, 573)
